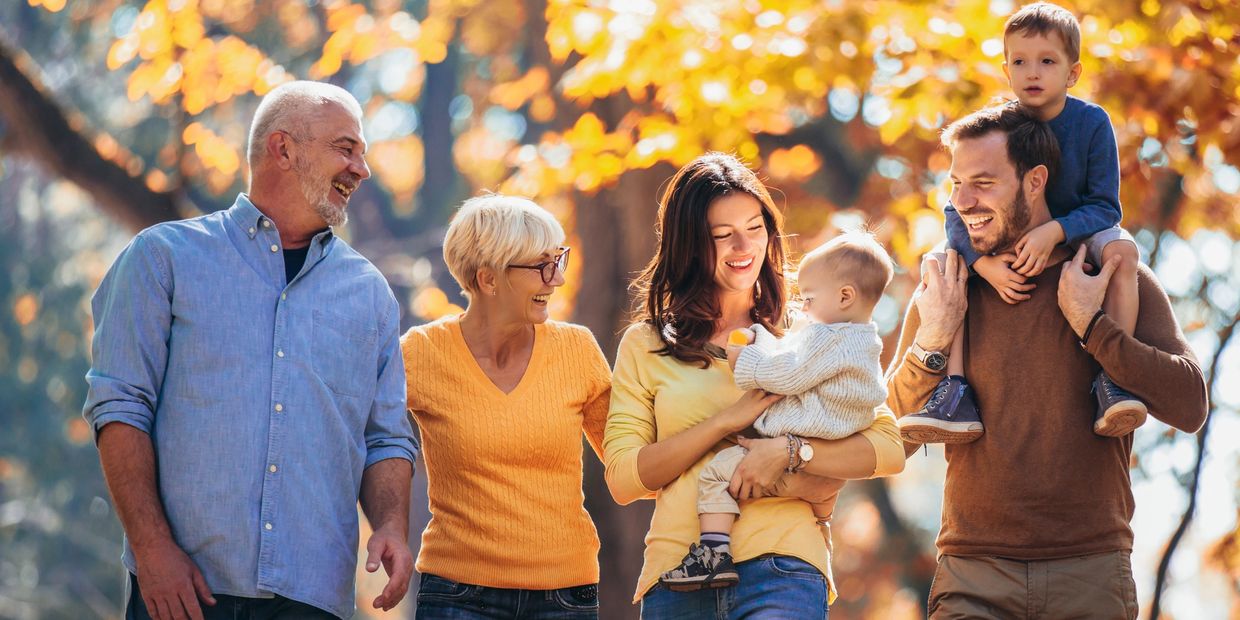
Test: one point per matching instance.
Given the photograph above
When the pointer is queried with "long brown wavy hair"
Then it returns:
(676, 292)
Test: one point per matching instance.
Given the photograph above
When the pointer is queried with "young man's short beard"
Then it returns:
(1014, 225)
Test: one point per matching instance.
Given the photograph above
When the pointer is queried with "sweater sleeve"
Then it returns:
(594, 414)
(1099, 208)
(793, 371)
(1156, 364)
(958, 235)
(884, 436)
(909, 382)
(630, 421)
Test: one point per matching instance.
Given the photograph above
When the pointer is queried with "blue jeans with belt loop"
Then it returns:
(440, 598)
(772, 587)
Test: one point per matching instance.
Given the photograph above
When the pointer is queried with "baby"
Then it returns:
(829, 372)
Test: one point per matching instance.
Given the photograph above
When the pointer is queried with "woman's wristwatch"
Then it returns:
(800, 453)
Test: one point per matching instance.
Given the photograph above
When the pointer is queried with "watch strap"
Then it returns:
(921, 354)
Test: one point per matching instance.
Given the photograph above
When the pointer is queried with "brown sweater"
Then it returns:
(1040, 484)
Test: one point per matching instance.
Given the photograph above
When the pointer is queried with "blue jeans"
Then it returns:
(443, 598)
(234, 608)
(774, 587)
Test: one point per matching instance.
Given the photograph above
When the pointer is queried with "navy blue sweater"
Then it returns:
(1084, 195)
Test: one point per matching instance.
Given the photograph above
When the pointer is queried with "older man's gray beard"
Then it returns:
(317, 192)
(1014, 226)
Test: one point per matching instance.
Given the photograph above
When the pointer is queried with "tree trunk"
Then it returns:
(34, 126)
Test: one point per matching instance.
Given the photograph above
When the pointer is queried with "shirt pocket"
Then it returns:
(343, 353)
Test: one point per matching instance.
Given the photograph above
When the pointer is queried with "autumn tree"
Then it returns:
(588, 106)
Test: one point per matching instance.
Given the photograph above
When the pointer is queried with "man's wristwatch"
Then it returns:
(933, 360)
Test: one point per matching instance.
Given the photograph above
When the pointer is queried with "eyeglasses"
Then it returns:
(549, 268)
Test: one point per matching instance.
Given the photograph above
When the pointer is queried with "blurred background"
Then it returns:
(118, 114)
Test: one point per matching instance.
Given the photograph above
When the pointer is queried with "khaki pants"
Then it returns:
(1097, 586)
(713, 496)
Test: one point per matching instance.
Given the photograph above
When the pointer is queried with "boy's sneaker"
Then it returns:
(1119, 412)
(703, 567)
(950, 416)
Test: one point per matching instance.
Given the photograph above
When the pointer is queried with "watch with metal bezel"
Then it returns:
(934, 360)
(806, 453)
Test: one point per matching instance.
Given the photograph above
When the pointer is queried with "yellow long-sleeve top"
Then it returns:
(654, 397)
(504, 471)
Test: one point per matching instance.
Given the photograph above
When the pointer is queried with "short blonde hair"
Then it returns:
(857, 257)
(494, 231)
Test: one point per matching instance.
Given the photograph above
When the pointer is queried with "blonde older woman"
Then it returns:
(502, 396)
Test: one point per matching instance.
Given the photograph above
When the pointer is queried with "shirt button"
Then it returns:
(279, 407)
(251, 230)
(272, 469)
(275, 248)
(267, 526)
(266, 223)
(283, 296)
(280, 353)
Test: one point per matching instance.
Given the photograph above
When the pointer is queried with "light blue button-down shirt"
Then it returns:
(264, 399)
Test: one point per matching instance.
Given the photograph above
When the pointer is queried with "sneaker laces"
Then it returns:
(699, 555)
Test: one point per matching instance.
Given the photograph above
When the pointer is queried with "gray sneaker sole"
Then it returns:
(721, 580)
(1122, 418)
(930, 430)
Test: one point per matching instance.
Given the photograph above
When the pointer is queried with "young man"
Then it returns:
(247, 382)
(1036, 512)
(1042, 51)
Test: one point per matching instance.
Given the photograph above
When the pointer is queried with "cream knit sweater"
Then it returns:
(829, 372)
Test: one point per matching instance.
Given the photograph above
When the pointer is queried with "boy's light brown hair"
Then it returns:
(1041, 18)
(858, 258)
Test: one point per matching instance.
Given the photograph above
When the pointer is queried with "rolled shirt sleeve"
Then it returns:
(389, 433)
(132, 311)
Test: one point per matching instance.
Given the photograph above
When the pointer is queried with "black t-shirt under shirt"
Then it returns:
(293, 260)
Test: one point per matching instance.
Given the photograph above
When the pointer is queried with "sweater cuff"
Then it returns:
(746, 372)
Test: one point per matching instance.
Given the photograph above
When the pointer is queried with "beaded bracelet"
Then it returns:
(792, 453)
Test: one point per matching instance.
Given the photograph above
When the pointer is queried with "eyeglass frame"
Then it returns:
(559, 262)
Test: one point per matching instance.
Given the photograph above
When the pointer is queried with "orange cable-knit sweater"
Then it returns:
(505, 470)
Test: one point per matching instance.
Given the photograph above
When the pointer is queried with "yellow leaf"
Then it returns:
(25, 309)
(122, 51)
(55, 6)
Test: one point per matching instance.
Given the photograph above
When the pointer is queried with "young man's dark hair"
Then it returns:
(1030, 142)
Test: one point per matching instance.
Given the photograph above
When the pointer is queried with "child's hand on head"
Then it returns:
(1034, 249)
(1012, 286)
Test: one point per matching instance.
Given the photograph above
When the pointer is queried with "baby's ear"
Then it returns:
(848, 295)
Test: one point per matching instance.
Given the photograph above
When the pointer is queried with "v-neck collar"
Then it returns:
(532, 366)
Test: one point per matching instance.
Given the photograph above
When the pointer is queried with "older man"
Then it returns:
(1035, 513)
(248, 389)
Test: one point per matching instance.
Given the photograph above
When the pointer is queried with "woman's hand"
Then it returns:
(744, 411)
(757, 473)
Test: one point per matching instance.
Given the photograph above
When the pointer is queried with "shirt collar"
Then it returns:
(247, 216)
(251, 221)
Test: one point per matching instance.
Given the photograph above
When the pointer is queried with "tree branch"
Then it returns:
(1160, 582)
(35, 126)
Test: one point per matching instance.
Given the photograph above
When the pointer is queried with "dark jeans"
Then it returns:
(772, 587)
(443, 598)
(234, 608)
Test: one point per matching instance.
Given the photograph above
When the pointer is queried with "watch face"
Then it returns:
(806, 452)
(936, 361)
